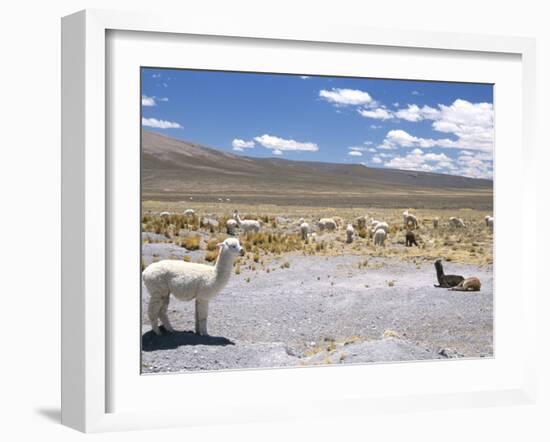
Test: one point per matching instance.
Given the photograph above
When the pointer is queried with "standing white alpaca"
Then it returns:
(349, 234)
(248, 225)
(304, 230)
(187, 281)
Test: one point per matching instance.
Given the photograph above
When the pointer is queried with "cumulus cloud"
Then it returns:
(160, 124)
(372, 149)
(239, 145)
(470, 123)
(280, 145)
(345, 97)
(374, 126)
(147, 101)
(355, 153)
(378, 113)
(414, 113)
(478, 165)
(414, 160)
(376, 160)
(305, 77)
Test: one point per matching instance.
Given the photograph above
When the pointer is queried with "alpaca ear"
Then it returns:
(220, 245)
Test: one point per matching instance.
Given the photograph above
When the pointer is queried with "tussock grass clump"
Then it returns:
(269, 242)
(211, 255)
(190, 242)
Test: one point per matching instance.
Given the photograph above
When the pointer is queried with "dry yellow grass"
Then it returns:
(471, 245)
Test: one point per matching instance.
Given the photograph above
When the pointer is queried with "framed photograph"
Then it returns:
(276, 222)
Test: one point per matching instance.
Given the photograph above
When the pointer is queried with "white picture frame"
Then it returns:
(86, 217)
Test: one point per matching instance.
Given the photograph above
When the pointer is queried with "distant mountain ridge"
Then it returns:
(173, 169)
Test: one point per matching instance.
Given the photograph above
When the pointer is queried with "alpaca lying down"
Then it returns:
(187, 281)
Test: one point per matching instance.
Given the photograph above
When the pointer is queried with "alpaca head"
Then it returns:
(438, 266)
(231, 247)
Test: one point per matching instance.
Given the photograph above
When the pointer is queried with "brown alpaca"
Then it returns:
(410, 239)
(472, 284)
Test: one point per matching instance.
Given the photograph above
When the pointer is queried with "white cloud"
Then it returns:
(305, 77)
(415, 93)
(372, 149)
(378, 113)
(155, 75)
(279, 145)
(344, 97)
(374, 126)
(368, 143)
(470, 123)
(417, 160)
(376, 160)
(239, 145)
(478, 165)
(415, 113)
(358, 148)
(147, 101)
(355, 153)
(165, 99)
(160, 124)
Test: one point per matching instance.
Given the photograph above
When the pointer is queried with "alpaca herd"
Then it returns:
(188, 281)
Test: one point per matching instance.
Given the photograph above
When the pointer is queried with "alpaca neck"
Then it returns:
(439, 271)
(238, 219)
(223, 266)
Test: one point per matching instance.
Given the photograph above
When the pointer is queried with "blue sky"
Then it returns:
(415, 125)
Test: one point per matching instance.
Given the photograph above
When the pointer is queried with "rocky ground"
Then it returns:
(324, 310)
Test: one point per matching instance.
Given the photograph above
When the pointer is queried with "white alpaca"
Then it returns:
(189, 212)
(164, 214)
(379, 237)
(349, 233)
(489, 221)
(187, 281)
(248, 225)
(231, 225)
(456, 222)
(209, 222)
(304, 230)
(381, 225)
(409, 219)
(326, 224)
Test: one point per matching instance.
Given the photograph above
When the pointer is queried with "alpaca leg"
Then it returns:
(201, 316)
(163, 315)
(155, 305)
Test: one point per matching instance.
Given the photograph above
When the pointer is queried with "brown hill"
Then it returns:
(176, 170)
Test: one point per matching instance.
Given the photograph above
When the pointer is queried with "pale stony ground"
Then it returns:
(324, 310)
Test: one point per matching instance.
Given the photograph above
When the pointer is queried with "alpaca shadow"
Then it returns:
(170, 341)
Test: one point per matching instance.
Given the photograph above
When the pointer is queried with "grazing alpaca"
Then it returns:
(410, 220)
(187, 281)
(446, 281)
(379, 237)
(472, 284)
(327, 224)
(410, 239)
(231, 225)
